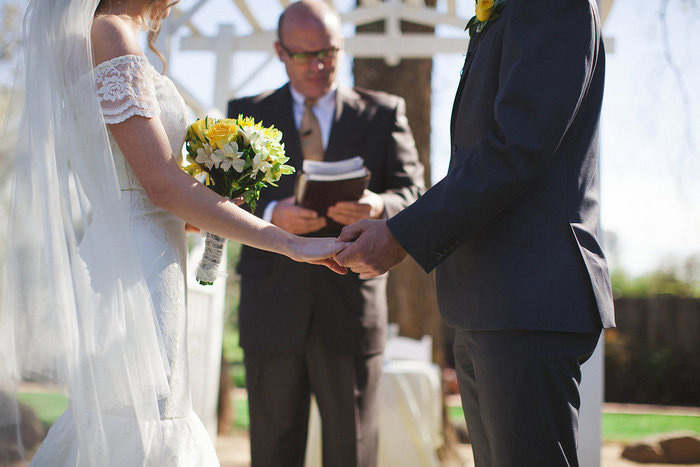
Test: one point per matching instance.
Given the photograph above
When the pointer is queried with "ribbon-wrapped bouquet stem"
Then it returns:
(235, 158)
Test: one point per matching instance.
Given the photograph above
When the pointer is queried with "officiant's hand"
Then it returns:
(295, 219)
(374, 250)
(370, 206)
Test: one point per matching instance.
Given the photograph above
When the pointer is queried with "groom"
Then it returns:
(511, 229)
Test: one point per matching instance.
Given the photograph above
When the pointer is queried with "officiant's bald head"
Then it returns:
(310, 14)
(309, 42)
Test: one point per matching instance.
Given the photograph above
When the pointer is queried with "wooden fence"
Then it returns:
(661, 321)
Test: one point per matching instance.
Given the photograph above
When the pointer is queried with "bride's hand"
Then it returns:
(319, 251)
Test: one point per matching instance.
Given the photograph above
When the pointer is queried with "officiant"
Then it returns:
(305, 330)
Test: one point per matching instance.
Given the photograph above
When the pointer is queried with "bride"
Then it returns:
(94, 294)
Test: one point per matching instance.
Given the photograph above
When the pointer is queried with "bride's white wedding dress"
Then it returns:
(128, 86)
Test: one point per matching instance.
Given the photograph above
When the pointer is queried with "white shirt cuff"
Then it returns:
(267, 215)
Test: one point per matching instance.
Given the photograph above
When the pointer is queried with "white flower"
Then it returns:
(229, 156)
(247, 133)
(270, 177)
(203, 156)
(260, 162)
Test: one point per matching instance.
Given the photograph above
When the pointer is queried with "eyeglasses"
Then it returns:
(304, 58)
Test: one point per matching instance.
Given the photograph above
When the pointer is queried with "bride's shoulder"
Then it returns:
(112, 37)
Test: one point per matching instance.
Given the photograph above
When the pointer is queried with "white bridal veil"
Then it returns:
(75, 309)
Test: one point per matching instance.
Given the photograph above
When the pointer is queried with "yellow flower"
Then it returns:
(222, 133)
(194, 169)
(484, 8)
(199, 127)
(486, 11)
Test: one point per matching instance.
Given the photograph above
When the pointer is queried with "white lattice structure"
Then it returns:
(391, 45)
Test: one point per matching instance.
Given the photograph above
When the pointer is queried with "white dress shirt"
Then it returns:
(323, 109)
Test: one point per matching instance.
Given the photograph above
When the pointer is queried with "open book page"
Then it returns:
(333, 168)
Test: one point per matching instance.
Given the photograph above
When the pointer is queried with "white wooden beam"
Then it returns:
(423, 16)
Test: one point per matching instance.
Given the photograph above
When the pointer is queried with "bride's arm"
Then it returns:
(145, 146)
(147, 150)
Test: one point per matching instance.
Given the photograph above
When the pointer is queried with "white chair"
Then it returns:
(405, 348)
(410, 402)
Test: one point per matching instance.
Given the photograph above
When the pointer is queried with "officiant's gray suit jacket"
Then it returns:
(280, 297)
(512, 228)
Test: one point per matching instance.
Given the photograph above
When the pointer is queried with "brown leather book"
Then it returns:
(319, 195)
(320, 191)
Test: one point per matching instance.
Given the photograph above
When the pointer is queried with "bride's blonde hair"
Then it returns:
(154, 17)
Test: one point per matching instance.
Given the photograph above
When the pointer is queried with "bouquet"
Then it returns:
(235, 158)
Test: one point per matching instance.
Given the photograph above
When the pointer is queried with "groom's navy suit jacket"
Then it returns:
(512, 227)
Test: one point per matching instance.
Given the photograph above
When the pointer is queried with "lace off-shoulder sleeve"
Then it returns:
(125, 87)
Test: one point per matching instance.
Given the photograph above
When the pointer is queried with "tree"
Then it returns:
(10, 33)
(411, 294)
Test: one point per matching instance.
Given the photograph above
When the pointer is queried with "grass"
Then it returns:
(616, 426)
(626, 426)
(47, 405)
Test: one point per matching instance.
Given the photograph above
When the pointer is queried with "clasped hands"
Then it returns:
(373, 249)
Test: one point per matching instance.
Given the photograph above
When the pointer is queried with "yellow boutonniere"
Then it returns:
(486, 10)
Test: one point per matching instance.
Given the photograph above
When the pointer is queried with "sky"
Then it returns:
(650, 140)
(650, 127)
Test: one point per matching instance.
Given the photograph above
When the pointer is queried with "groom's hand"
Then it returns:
(374, 250)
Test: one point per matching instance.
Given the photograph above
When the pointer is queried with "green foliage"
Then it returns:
(681, 279)
(636, 374)
(241, 418)
(232, 352)
(233, 283)
(11, 29)
(238, 375)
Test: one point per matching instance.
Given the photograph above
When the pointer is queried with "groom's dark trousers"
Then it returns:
(512, 229)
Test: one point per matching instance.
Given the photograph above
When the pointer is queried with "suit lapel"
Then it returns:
(471, 50)
(282, 113)
(349, 106)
